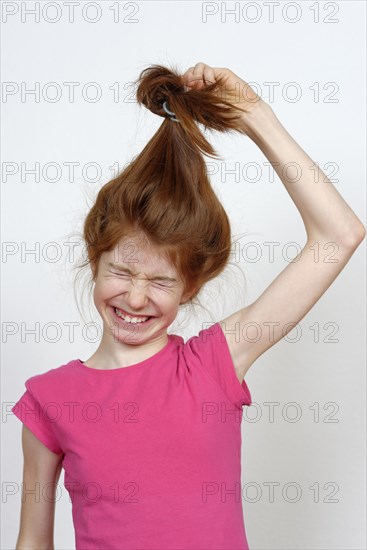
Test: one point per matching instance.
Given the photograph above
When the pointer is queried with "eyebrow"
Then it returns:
(155, 277)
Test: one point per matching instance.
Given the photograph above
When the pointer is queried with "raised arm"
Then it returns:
(333, 234)
(333, 229)
(325, 214)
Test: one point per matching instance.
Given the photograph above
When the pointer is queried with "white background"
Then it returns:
(321, 367)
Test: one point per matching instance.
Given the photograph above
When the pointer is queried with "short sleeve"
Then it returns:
(29, 410)
(211, 349)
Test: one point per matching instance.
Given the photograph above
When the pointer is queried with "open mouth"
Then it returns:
(130, 323)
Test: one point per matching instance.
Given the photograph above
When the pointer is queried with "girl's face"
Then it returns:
(141, 283)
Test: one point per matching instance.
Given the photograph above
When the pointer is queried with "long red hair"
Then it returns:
(164, 194)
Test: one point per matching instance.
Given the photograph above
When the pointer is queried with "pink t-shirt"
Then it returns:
(151, 452)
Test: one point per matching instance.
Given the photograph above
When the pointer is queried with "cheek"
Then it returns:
(106, 290)
(101, 294)
(170, 303)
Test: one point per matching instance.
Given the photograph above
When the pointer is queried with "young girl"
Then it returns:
(148, 429)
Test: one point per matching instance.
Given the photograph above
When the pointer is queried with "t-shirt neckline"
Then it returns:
(171, 337)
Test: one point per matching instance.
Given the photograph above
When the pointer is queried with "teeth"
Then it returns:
(130, 319)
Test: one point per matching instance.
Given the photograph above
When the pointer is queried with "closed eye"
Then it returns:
(161, 285)
(120, 274)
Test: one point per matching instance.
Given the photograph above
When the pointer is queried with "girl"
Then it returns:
(148, 429)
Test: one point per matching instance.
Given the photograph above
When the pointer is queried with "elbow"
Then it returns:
(348, 240)
(356, 237)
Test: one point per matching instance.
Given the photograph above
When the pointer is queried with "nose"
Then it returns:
(136, 296)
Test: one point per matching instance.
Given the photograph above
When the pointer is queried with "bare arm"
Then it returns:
(325, 213)
(333, 230)
(41, 472)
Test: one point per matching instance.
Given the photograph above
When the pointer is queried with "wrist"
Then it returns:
(258, 120)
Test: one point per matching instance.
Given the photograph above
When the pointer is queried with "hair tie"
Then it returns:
(172, 115)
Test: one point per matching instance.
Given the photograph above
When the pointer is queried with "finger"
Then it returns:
(199, 74)
(188, 78)
(209, 76)
(187, 72)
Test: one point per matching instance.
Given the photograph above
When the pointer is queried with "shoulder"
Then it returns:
(206, 346)
(210, 335)
(210, 353)
(53, 379)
